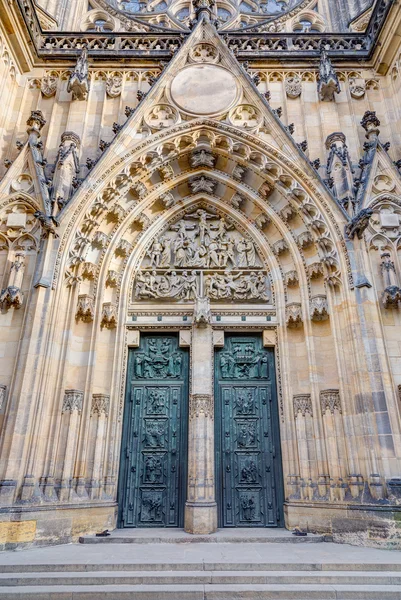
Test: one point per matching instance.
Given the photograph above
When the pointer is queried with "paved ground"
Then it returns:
(324, 554)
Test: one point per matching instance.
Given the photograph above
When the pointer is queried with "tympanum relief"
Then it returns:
(202, 254)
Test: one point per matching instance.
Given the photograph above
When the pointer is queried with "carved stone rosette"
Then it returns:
(100, 404)
(201, 404)
(72, 401)
(302, 405)
(330, 400)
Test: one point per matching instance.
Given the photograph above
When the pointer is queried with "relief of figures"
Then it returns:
(202, 240)
(202, 254)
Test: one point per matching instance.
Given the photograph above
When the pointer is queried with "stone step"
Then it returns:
(222, 536)
(155, 567)
(184, 578)
(203, 592)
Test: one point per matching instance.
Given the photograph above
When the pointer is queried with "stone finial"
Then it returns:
(337, 138)
(302, 404)
(359, 223)
(370, 124)
(203, 9)
(35, 124)
(328, 83)
(78, 83)
(72, 401)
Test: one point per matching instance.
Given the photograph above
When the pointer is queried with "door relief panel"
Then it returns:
(153, 467)
(247, 437)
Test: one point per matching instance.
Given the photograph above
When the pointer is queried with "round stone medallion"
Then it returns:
(204, 89)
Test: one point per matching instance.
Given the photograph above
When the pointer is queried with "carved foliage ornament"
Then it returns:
(204, 53)
(100, 404)
(114, 84)
(330, 401)
(72, 401)
(48, 85)
(302, 405)
(201, 404)
(293, 86)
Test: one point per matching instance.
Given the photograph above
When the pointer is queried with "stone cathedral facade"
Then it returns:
(200, 266)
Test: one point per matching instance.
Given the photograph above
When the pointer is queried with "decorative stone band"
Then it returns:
(3, 393)
(201, 404)
(100, 404)
(330, 400)
(72, 401)
(302, 405)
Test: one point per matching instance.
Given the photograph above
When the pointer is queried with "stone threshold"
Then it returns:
(221, 536)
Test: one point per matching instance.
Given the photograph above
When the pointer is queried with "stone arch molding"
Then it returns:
(264, 190)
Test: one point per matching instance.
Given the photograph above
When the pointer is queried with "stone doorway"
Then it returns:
(153, 467)
(247, 440)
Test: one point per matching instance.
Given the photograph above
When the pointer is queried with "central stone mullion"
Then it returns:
(201, 508)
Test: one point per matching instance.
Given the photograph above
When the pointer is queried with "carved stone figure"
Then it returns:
(328, 83)
(78, 83)
(114, 84)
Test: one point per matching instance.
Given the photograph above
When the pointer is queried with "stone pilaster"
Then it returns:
(201, 508)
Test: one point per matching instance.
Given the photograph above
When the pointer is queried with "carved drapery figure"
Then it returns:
(78, 83)
(328, 83)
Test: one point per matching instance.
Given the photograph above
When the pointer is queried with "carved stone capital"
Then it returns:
(85, 308)
(330, 400)
(319, 309)
(11, 296)
(109, 316)
(293, 314)
(201, 404)
(3, 394)
(100, 404)
(302, 404)
(72, 401)
(291, 278)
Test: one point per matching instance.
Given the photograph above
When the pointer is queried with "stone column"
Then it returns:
(201, 507)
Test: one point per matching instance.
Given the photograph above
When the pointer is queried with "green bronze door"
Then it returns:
(248, 460)
(153, 453)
